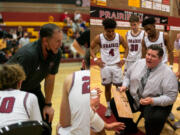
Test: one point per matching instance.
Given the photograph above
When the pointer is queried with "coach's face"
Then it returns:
(152, 58)
(109, 33)
(150, 30)
(55, 42)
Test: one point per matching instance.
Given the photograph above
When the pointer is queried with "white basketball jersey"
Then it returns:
(110, 49)
(79, 101)
(159, 42)
(134, 44)
(17, 106)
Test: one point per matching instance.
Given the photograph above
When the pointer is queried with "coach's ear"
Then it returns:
(19, 85)
(45, 42)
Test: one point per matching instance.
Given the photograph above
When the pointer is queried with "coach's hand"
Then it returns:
(48, 110)
(146, 101)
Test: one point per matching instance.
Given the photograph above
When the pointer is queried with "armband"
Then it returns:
(171, 66)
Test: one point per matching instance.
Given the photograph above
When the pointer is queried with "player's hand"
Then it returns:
(146, 101)
(171, 67)
(47, 110)
(177, 74)
(122, 88)
(116, 126)
(57, 128)
(100, 63)
(121, 63)
(99, 91)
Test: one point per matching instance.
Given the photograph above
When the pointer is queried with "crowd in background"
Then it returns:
(12, 40)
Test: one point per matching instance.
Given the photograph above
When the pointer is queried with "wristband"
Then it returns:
(95, 59)
(48, 104)
(124, 59)
(171, 66)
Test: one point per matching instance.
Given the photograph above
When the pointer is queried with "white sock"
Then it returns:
(108, 104)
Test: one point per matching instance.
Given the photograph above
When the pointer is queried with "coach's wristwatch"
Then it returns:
(48, 104)
(95, 59)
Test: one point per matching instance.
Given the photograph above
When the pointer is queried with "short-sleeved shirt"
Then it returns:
(84, 39)
(36, 68)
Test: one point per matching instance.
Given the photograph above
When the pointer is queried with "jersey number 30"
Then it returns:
(134, 47)
(7, 104)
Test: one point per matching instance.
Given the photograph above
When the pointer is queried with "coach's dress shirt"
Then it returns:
(161, 84)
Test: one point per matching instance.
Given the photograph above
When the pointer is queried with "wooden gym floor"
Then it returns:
(67, 68)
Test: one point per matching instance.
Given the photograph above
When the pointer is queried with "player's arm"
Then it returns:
(94, 44)
(49, 88)
(169, 48)
(78, 48)
(126, 48)
(65, 113)
(124, 44)
(144, 49)
(99, 126)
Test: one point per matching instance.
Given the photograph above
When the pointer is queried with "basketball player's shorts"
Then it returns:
(111, 74)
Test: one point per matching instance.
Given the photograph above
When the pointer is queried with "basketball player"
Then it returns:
(76, 116)
(134, 39)
(158, 38)
(15, 105)
(110, 62)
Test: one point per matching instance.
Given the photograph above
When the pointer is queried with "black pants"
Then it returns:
(155, 117)
(131, 127)
(41, 100)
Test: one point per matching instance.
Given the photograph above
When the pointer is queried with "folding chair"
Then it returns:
(26, 128)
